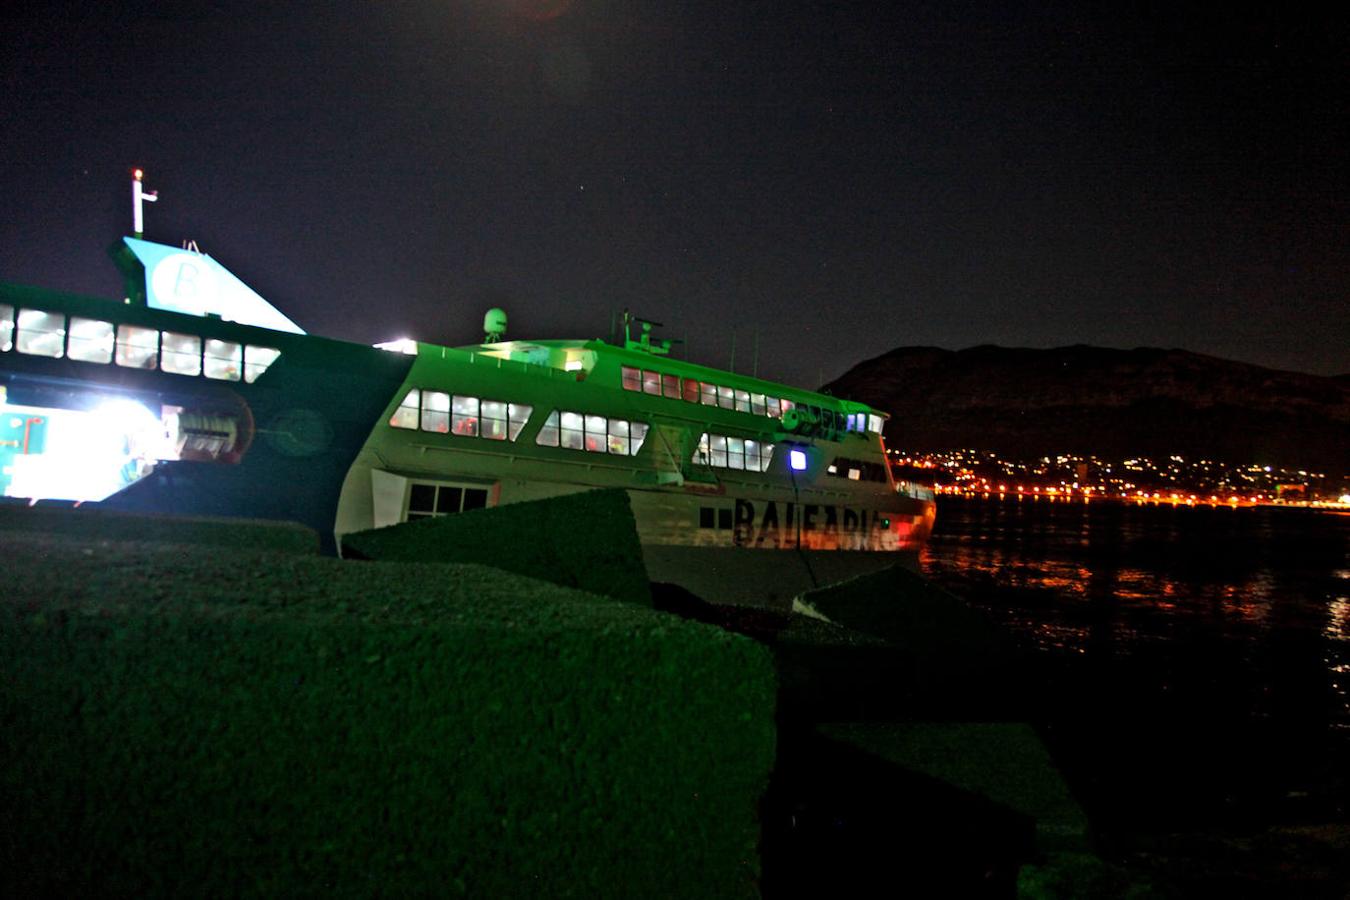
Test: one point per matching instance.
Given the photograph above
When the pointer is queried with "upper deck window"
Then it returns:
(90, 340)
(407, 413)
(41, 333)
(436, 411)
(493, 425)
(572, 432)
(651, 382)
(691, 392)
(224, 360)
(464, 416)
(137, 348)
(709, 394)
(632, 378)
(257, 360)
(874, 424)
(181, 353)
(670, 386)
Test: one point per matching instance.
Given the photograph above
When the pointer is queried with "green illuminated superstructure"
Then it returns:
(211, 402)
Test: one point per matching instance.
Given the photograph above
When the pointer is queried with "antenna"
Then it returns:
(139, 196)
(732, 366)
(754, 365)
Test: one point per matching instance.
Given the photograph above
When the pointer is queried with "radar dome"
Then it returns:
(494, 323)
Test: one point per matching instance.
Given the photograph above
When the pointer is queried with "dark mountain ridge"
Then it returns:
(1112, 403)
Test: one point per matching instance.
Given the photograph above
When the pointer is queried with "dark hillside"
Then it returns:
(1092, 400)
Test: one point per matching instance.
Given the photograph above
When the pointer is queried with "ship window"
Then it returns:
(572, 432)
(181, 354)
(6, 327)
(787, 404)
(421, 501)
(705, 517)
(670, 386)
(436, 411)
(519, 414)
(651, 382)
(548, 432)
(137, 348)
(724, 519)
(406, 414)
(691, 390)
(618, 437)
(717, 443)
(855, 474)
(426, 501)
(494, 420)
(224, 359)
(752, 456)
(735, 453)
(90, 340)
(771, 407)
(42, 333)
(638, 432)
(765, 457)
(757, 404)
(709, 394)
(257, 360)
(449, 499)
(595, 434)
(726, 397)
(742, 401)
(701, 451)
(464, 416)
(632, 378)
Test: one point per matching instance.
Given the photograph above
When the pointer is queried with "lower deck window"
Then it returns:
(427, 501)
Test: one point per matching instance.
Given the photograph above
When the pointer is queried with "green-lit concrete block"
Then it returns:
(106, 524)
(227, 722)
(1004, 762)
(586, 541)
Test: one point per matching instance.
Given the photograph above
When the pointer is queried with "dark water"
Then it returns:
(1190, 666)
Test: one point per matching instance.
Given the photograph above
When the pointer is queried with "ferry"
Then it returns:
(195, 396)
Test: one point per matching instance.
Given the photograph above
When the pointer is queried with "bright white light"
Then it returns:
(1344, 500)
(87, 455)
(797, 459)
(406, 346)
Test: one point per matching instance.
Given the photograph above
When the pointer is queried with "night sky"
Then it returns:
(829, 180)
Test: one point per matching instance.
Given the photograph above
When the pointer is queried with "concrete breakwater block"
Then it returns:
(954, 651)
(586, 541)
(95, 523)
(1004, 763)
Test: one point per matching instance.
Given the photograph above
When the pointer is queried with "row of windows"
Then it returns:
(38, 332)
(706, 393)
(428, 500)
(660, 384)
(594, 434)
(856, 469)
(444, 413)
(733, 453)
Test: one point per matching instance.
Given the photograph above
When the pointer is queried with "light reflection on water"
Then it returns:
(1269, 587)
